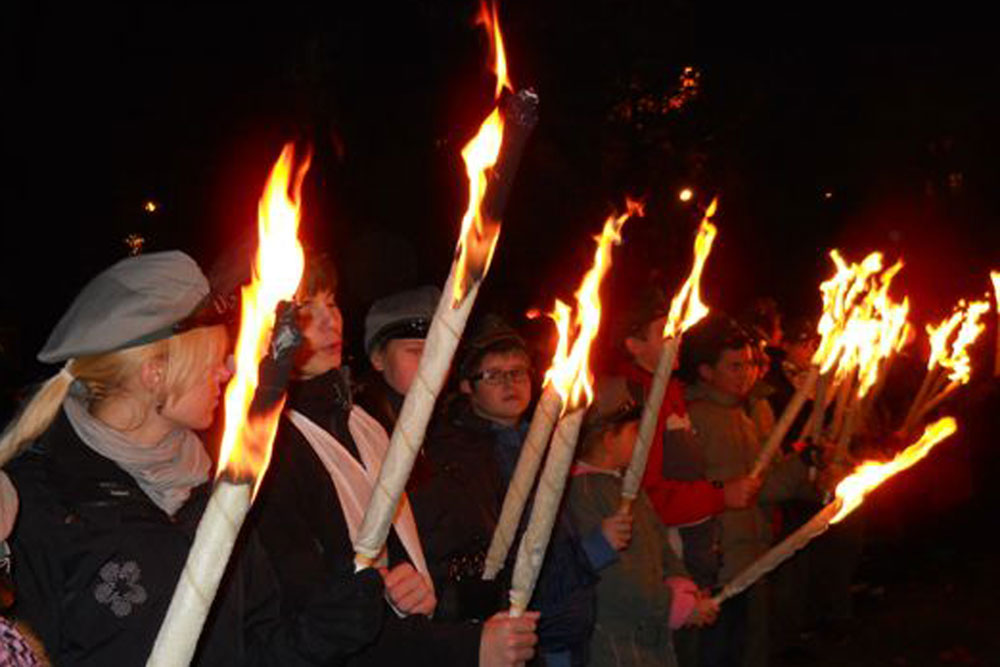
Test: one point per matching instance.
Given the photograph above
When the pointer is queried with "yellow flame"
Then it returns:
(687, 309)
(995, 278)
(966, 327)
(570, 370)
(478, 237)
(489, 19)
(852, 489)
(846, 332)
(246, 440)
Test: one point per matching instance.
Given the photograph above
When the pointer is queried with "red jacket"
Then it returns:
(677, 502)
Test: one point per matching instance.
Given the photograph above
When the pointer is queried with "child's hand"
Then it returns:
(706, 611)
(617, 530)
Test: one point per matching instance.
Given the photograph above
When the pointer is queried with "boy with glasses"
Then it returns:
(472, 451)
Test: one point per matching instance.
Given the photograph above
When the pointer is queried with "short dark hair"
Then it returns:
(472, 365)
(706, 341)
(318, 275)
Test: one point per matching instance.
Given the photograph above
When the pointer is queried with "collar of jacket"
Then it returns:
(322, 395)
(704, 392)
(83, 478)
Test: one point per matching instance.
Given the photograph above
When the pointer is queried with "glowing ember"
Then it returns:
(246, 440)
(687, 309)
(852, 489)
(478, 237)
(570, 371)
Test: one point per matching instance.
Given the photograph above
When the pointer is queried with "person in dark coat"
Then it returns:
(472, 451)
(115, 481)
(312, 499)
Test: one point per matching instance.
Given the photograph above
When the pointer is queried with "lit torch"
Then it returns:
(841, 294)
(571, 377)
(686, 310)
(559, 381)
(995, 279)
(491, 160)
(948, 363)
(849, 495)
(251, 411)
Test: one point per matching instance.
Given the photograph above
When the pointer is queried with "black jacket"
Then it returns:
(302, 527)
(95, 563)
(471, 461)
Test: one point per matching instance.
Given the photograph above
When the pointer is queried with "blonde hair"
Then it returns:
(186, 356)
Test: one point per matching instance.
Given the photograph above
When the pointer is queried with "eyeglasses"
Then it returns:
(498, 376)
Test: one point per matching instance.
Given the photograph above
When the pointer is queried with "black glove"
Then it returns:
(276, 368)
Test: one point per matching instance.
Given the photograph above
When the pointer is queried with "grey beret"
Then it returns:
(403, 315)
(136, 301)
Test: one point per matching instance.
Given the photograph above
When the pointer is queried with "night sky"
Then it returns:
(832, 126)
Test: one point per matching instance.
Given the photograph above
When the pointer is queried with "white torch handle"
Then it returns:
(206, 563)
(408, 436)
(542, 422)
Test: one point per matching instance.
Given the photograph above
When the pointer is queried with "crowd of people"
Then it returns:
(108, 467)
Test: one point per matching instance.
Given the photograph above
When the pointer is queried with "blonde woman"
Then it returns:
(113, 480)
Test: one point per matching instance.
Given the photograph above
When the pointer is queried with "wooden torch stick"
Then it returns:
(784, 422)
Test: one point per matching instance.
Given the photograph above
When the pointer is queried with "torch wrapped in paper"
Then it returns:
(849, 495)
(558, 383)
(253, 402)
(860, 327)
(491, 160)
(571, 376)
(686, 310)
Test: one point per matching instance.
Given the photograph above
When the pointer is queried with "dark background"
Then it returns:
(853, 125)
(838, 125)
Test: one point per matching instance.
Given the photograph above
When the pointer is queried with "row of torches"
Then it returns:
(861, 330)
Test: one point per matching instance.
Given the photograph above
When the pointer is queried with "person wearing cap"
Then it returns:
(673, 481)
(111, 480)
(646, 593)
(312, 500)
(395, 329)
(472, 450)
(717, 362)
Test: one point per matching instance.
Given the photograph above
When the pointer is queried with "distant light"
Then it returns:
(828, 194)
(686, 195)
(150, 206)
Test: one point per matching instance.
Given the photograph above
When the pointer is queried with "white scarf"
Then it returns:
(354, 482)
(166, 471)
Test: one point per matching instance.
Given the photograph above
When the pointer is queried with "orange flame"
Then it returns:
(687, 309)
(570, 371)
(246, 441)
(478, 238)
(489, 19)
(965, 324)
(852, 489)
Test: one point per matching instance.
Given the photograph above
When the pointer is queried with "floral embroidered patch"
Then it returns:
(120, 588)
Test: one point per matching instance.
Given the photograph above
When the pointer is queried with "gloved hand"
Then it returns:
(276, 368)
(346, 615)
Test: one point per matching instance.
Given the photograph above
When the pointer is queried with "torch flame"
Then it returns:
(966, 322)
(852, 489)
(478, 238)
(570, 371)
(246, 441)
(995, 278)
(489, 19)
(687, 309)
